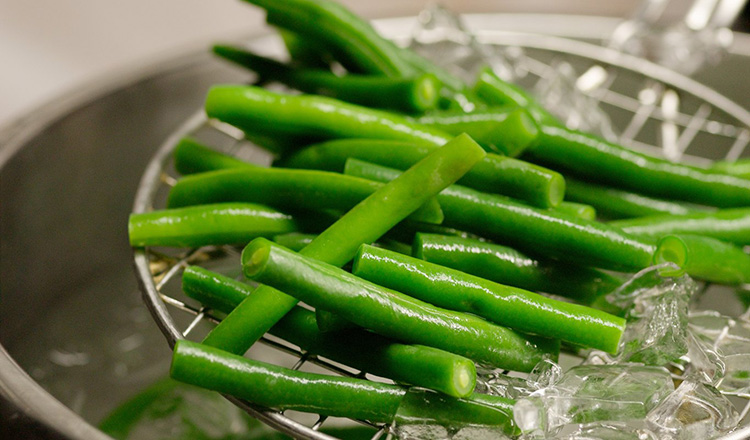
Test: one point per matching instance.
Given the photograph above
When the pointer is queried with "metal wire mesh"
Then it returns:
(702, 126)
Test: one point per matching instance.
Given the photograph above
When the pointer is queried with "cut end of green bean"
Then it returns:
(255, 256)
(427, 92)
(556, 192)
(465, 379)
(671, 249)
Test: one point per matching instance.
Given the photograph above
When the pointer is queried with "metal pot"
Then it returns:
(68, 172)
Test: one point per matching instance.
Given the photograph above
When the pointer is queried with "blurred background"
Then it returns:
(48, 47)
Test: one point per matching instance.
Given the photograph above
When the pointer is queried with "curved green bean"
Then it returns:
(391, 313)
(732, 225)
(505, 265)
(496, 92)
(703, 257)
(283, 189)
(409, 95)
(615, 203)
(545, 232)
(504, 305)
(364, 223)
(495, 174)
(506, 130)
(217, 224)
(260, 111)
(739, 167)
(413, 364)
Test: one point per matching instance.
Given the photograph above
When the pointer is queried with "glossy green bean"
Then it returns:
(257, 110)
(495, 174)
(408, 95)
(732, 225)
(282, 189)
(598, 160)
(614, 203)
(364, 223)
(505, 265)
(217, 224)
(504, 305)
(391, 313)
(349, 38)
(297, 241)
(703, 257)
(505, 130)
(192, 157)
(544, 232)
(413, 364)
(580, 210)
(281, 388)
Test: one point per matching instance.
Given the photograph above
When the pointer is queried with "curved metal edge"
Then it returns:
(28, 399)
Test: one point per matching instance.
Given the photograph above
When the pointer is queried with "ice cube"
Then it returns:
(657, 316)
(545, 374)
(694, 411)
(591, 393)
(604, 431)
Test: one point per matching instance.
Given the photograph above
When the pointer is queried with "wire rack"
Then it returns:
(703, 126)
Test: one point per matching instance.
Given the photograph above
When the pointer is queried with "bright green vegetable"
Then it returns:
(703, 257)
(194, 226)
(495, 174)
(413, 364)
(256, 110)
(506, 130)
(546, 232)
(282, 189)
(615, 203)
(191, 157)
(408, 95)
(391, 313)
(504, 265)
(580, 210)
(504, 305)
(739, 167)
(349, 38)
(364, 223)
(297, 241)
(731, 225)
(281, 388)
(593, 158)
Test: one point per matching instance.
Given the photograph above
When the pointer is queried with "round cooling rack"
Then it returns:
(699, 123)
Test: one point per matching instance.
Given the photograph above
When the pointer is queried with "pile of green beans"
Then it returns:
(444, 274)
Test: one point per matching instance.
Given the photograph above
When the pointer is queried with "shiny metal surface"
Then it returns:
(68, 173)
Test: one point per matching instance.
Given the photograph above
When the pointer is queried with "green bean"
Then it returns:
(391, 313)
(616, 203)
(413, 364)
(364, 223)
(256, 110)
(297, 241)
(408, 95)
(281, 388)
(505, 265)
(284, 389)
(304, 51)
(282, 189)
(496, 92)
(352, 40)
(732, 225)
(192, 157)
(703, 257)
(506, 130)
(546, 232)
(593, 158)
(218, 224)
(504, 305)
(496, 174)
(580, 210)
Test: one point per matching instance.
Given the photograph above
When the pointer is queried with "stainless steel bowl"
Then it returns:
(68, 174)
